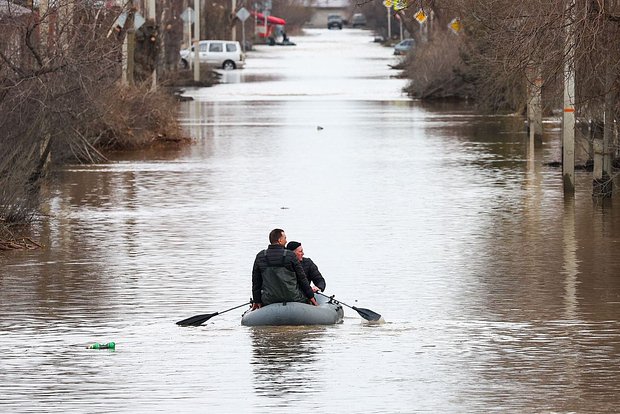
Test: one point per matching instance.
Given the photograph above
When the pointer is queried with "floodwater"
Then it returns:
(498, 294)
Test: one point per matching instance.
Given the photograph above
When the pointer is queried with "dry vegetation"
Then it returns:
(60, 95)
(501, 40)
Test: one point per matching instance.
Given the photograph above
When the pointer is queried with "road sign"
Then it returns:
(400, 4)
(188, 15)
(455, 25)
(138, 21)
(420, 16)
(387, 3)
(120, 20)
(243, 14)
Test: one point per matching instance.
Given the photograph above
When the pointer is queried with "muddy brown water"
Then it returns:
(497, 292)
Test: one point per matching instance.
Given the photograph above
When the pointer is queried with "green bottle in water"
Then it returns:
(97, 345)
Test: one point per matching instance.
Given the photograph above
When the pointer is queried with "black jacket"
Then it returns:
(274, 254)
(312, 273)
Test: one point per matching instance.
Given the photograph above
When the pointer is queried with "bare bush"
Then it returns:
(434, 71)
(144, 118)
(60, 97)
(52, 64)
(503, 39)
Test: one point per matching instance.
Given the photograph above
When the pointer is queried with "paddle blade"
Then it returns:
(367, 314)
(196, 320)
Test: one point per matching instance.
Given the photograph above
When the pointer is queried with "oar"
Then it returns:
(198, 320)
(364, 313)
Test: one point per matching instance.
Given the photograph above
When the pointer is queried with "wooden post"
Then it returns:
(568, 114)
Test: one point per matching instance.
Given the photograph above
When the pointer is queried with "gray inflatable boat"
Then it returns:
(295, 313)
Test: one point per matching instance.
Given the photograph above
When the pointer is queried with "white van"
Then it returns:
(224, 54)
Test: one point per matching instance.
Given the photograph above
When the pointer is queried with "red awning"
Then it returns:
(270, 19)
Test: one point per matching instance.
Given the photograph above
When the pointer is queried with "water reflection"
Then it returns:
(284, 359)
(570, 269)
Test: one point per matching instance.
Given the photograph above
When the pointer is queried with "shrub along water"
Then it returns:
(61, 100)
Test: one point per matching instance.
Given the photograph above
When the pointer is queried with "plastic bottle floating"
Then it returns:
(97, 345)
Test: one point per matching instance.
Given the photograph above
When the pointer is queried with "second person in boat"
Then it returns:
(277, 275)
(310, 269)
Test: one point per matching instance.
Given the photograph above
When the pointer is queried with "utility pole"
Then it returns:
(197, 41)
(44, 19)
(126, 21)
(45, 141)
(233, 33)
(602, 183)
(129, 47)
(152, 15)
(534, 105)
(389, 22)
(568, 114)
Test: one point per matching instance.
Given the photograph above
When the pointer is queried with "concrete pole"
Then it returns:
(66, 20)
(389, 22)
(568, 114)
(243, 36)
(608, 132)
(610, 101)
(196, 40)
(152, 15)
(534, 105)
(233, 33)
(44, 144)
(129, 48)
(45, 28)
(602, 184)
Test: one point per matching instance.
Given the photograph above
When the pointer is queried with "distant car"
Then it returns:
(334, 21)
(224, 54)
(403, 46)
(358, 20)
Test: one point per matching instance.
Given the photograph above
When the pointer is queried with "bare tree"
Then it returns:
(60, 96)
(53, 63)
(501, 39)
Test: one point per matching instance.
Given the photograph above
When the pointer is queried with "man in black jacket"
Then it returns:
(310, 269)
(277, 275)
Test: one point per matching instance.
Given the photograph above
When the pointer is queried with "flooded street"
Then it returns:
(498, 294)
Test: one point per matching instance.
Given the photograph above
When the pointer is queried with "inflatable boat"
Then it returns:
(329, 312)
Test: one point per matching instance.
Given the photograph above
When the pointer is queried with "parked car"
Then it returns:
(403, 46)
(334, 21)
(358, 20)
(224, 54)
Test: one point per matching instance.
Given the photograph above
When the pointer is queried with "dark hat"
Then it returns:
(292, 245)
